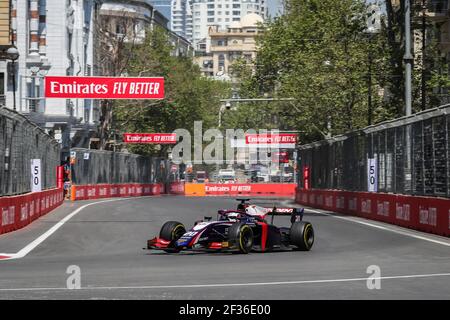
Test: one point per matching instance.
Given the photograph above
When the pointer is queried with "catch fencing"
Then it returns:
(91, 167)
(20, 141)
(410, 156)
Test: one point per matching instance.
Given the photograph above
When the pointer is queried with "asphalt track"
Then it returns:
(105, 240)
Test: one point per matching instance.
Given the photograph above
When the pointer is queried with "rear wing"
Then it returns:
(295, 213)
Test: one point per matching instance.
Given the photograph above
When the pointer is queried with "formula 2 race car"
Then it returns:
(242, 230)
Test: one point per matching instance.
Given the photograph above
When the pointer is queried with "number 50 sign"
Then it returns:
(372, 174)
(36, 175)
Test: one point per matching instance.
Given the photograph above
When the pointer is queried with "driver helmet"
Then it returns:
(232, 216)
(251, 210)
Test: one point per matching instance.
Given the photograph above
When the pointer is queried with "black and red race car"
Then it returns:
(242, 230)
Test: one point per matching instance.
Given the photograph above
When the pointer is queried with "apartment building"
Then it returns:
(223, 47)
(222, 13)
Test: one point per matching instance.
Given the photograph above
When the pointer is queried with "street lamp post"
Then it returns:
(373, 27)
(13, 55)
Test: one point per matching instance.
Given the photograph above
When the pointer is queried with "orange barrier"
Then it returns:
(19, 211)
(194, 189)
(426, 214)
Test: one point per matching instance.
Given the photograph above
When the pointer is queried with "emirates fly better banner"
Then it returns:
(104, 88)
(282, 140)
(154, 138)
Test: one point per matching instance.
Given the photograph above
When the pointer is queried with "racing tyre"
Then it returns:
(172, 231)
(302, 235)
(241, 235)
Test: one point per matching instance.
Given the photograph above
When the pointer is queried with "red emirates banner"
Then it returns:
(151, 138)
(104, 88)
(283, 140)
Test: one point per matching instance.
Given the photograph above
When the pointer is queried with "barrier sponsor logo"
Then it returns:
(383, 208)
(24, 212)
(352, 204)
(32, 208)
(428, 216)
(113, 191)
(122, 190)
(340, 202)
(402, 211)
(319, 200)
(104, 88)
(329, 201)
(176, 187)
(312, 199)
(103, 191)
(8, 216)
(79, 193)
(366, 206)
(91, 192)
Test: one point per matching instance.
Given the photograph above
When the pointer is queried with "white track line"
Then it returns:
(404, 233)
(31, 246)
(215, 285)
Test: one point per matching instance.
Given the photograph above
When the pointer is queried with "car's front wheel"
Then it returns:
(241, 236)
(302, 235)
(172, 231)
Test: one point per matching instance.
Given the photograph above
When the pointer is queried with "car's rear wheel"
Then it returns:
(241, 236)
(172, 231)
(302, 235)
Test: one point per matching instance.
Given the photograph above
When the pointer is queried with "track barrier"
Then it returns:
(100, 191)
(19, 211)
(427, 214)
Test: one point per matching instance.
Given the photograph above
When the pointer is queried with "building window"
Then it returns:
(236, 19)
(219, 20)
(211, 6)
(221, 61)
(227, 19)
(236, 13)
(210, 19)
(2, 89)
(210, 13)
(227, 13)
(236, 6)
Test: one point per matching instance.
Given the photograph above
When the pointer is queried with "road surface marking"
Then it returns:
(31, 246)
(215, 285)
(405, 233)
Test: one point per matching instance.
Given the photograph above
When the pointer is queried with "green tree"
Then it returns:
(189, 96)
(316, 53)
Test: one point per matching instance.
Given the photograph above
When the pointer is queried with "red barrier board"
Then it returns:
(18, 211)
(426, 214)
(176, 188)
(84, 192)
(104, 87)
